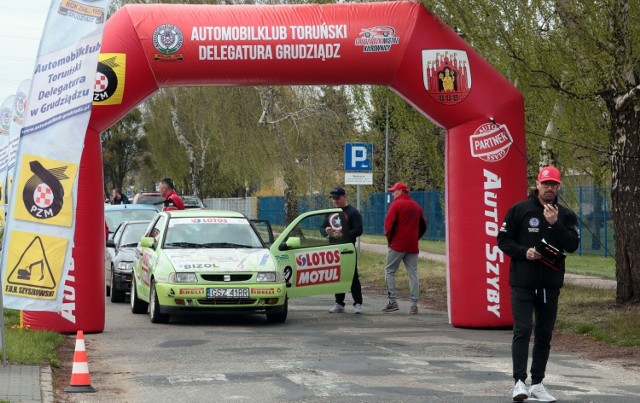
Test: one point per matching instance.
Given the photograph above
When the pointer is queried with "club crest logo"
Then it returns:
(19, 106)
(5, 120)
(490, 142)
(109, 86)
(446, 75)
(168, 39)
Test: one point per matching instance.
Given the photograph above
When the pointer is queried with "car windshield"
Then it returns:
(132, 233)
(211, 232)
(116, 217)
(192, 202)
(149, 200)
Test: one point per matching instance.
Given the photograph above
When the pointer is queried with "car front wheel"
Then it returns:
(154, 308)
(117, 295)
(280, 316)
(137, 305)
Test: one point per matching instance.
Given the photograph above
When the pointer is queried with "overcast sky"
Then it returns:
(21, 24)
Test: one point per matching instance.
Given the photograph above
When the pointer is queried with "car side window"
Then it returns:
(154, 231)
(311, 231)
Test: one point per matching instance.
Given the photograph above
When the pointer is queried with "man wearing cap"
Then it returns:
(404, 225)
(354, 223)
(535, 281)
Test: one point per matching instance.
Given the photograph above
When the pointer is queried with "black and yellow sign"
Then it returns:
(109, 86)
(34, 263)
(45, 186)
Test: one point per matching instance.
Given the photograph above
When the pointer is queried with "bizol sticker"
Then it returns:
(490, 142)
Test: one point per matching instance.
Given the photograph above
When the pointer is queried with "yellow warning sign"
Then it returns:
(34, 265)
(44, 191)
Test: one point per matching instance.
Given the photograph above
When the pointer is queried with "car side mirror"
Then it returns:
(146, 242)
(110, 243)
(293, 242)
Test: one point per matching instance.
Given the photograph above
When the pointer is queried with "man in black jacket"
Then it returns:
(535, 277)
(354, 223)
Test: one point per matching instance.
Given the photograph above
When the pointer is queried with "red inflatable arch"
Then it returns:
(397, 44)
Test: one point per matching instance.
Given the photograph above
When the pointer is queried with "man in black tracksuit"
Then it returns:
(535, 285)
(354, 225)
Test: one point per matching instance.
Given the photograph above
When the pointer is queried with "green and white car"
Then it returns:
(220, 261)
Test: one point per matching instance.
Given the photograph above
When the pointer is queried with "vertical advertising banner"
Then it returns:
(17, 120)
(40, 225)
(6, 111)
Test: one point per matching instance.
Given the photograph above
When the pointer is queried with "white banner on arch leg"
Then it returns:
(40, 227)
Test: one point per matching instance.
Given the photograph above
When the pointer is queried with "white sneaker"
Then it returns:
(336, 308)
(540, 392)
(520, 391)
(357, 309)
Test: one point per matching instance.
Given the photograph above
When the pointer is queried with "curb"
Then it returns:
(46, 385)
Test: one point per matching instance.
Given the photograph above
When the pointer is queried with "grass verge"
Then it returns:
(29, 347)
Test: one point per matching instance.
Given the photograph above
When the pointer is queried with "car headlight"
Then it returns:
(183, 278)
(267, 277)
(125, 266)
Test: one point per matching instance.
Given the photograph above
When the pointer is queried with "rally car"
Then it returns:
(193, 261)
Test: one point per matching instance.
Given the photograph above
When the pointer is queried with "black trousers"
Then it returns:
(356, 290)
(525, 303)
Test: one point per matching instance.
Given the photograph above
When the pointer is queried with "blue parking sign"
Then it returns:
(358, 157)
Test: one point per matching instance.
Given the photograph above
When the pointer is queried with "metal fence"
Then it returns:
(592, 206)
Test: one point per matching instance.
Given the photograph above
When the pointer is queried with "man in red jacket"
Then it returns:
(403, 227)
(172, 200)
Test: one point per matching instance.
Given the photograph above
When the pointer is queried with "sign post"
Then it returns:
(358, 166)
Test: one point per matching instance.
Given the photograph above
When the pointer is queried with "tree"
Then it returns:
(416, 146)
(584, 57)
(122, 146)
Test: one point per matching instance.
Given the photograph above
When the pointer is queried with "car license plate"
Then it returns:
(227, 293)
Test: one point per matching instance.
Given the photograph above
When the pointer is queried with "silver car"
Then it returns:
(123, 245)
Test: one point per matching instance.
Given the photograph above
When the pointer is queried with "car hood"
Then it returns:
(207, 260)
(127, 254)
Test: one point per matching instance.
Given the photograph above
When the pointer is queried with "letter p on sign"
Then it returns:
(358, 157)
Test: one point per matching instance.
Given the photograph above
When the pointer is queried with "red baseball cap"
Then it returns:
(549, 174)
(399, 186)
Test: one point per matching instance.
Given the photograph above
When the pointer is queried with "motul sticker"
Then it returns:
(322, 267)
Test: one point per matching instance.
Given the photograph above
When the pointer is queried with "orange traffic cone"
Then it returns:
(80, 379)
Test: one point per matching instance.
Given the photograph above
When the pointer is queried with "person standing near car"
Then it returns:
(354, 223)
(118, 197)
(171, 199)
(535, 282)
(404, 225)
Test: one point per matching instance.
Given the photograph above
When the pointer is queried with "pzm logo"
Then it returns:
(43, 194)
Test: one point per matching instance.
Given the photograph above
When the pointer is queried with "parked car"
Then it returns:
(154, 199)
(194, 261)
(191, 202)
(124, 243)
(116, 214)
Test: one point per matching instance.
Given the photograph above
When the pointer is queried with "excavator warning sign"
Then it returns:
(34, 265)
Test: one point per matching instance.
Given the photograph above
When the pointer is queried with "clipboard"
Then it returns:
(551, 256)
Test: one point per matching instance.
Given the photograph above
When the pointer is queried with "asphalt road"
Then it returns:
(320, 357)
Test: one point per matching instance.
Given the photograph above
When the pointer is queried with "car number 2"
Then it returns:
(227, 292)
